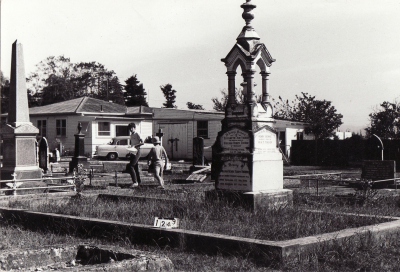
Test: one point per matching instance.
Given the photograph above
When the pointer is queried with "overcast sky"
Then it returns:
(344, 51)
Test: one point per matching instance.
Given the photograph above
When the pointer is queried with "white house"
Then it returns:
(101, 120)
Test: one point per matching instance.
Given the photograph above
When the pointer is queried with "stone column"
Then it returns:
(250, 86)
(231, 87)
(265, 95)
(79, 154)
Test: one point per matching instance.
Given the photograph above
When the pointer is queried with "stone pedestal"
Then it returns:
(20, 153)
(79, 154)
(248, 166)
(254, 201)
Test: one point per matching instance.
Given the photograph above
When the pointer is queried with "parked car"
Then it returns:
(118, 148)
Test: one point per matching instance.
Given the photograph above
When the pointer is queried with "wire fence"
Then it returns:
(14, 183)
(318, 180)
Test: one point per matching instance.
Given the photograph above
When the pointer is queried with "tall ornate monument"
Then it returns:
(19, 135)
(246, 157)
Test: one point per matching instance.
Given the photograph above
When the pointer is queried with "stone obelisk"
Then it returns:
(19, 135)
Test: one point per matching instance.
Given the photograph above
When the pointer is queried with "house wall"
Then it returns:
(171, 120)
(90, 129)
(291, 129)
(68, 141)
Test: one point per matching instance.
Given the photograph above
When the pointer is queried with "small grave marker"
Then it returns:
(378, 170)
(167, 223)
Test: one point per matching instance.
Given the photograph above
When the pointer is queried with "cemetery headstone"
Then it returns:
(44, 154)
(198, 151)
(246, 161)
(19, 135)
(379, 170)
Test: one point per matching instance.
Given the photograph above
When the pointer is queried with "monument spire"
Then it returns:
(18, 110)
(248, 38)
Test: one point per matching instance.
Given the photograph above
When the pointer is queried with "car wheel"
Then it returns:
(112, 156)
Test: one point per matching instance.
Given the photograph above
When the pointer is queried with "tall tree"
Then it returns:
(169, 95)
(56, 79)
(385, 121)
(135, 94)
(319, 114)
(193, 106)
(115, 93)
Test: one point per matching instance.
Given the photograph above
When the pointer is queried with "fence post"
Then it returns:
(340, 181)
(116, 179)
(317, 186)
(74, 179)
(14, 183)
(90, 177)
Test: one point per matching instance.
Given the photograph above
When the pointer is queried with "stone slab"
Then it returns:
(378, 170)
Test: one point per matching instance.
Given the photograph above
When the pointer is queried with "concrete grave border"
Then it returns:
(200, 242)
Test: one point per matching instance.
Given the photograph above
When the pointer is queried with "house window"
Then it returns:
(202, 129)
(42, 126)
(104, 129)
(61, 127)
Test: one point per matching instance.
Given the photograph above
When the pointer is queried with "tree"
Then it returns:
(5, 92)
(56, 79)
(319, 114)
(135, 94)
(115, 93)
(385, 121)
(193, 106)
(169, 95)
(220, 104)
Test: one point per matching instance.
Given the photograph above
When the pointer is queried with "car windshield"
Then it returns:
(118, 142)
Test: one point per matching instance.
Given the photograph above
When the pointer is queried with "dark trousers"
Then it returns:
(133, 167)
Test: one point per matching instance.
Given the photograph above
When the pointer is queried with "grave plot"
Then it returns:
(200, 220)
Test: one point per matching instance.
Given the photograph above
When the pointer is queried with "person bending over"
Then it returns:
(155, 156)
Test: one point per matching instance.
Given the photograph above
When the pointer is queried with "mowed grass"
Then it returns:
(213, 217)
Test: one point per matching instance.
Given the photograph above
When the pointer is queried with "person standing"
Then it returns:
(156, 155)
(133, 167)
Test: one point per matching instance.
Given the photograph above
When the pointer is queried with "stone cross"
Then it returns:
(160, 134)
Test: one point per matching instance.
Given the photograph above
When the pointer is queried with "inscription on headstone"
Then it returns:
(378, 170)
(265, 142)
(235, 141)
(26, 155)
(234, 175)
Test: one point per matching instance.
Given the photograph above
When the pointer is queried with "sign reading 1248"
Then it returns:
(167, 223)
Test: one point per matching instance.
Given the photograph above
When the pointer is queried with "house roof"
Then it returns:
(138, 110)
(79, 105)
(191, 110)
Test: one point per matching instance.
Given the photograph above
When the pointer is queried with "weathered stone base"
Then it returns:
(269, 199)
(6, 173)
(78, 160)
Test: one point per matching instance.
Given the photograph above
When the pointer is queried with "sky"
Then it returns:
(347, 52)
